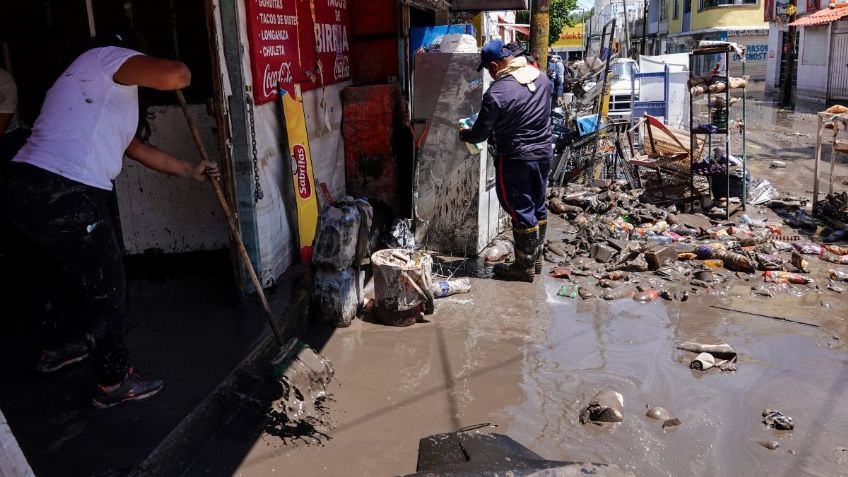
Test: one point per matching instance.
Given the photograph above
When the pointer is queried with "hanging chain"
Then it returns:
(258, 194)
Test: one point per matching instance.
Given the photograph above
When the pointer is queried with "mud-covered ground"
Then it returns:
(521, 357)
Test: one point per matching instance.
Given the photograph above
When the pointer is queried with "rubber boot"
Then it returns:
(543, 227)
(523, 268)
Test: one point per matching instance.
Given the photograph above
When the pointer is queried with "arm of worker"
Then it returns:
(161, 161)
(485, 122)
(156, 73)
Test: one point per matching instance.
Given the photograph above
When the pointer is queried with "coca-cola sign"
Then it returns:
(300, 171)
(285, 41)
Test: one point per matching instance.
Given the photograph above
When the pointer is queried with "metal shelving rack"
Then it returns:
(693, 136)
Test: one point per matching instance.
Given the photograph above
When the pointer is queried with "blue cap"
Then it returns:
(493, 51)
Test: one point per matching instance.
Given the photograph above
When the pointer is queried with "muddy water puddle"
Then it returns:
(630, 348)
(527, 360)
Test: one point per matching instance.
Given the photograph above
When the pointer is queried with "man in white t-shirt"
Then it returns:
(58, 192)
(8, 101)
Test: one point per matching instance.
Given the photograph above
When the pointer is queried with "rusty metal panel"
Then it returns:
(839, 66)
(374, 41)
(373, 121)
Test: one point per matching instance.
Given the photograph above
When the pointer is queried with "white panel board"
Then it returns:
(171, 214)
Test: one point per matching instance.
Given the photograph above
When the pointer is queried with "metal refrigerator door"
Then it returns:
(447, 88)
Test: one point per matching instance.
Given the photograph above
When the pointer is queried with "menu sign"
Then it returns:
(284, 41)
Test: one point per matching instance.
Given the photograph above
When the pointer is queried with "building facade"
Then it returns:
(740, 21)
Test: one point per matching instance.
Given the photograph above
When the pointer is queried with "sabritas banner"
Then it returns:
(286, 36)
(570, 37)
(301, 167)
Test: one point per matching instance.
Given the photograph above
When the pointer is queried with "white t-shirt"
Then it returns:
(87, 121)
(8, 95)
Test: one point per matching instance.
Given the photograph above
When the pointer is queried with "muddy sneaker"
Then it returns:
(133, 388)
(53, 360)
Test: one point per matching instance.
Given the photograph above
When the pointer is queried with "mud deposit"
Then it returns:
(522, 357)
(301, 412)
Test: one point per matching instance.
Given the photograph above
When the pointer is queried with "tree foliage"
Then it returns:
(560, 17)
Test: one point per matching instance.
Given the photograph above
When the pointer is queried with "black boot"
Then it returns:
(523, 268)
(543, 227)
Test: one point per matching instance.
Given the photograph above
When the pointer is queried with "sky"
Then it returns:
(585, 4)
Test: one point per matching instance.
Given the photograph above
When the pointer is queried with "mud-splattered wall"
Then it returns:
(170, 214)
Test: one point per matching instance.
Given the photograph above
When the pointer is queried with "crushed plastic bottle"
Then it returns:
(838, 275)
(660, 239)
(445, 288)
(786, 277)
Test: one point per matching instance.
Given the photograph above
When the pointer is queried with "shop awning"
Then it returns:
(487, 5)
(822, 17)
(519, 27)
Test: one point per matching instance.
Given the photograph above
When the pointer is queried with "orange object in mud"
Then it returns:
(687, 256)
(786, 277)
(714, 263)
(836, 249)
(775, 230)
(616, 275)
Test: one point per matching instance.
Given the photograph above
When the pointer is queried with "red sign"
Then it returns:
(285, 41)
(812, 6)
(300, 172)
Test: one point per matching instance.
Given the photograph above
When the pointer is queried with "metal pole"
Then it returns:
(819, 134)
(539, 29)
(626, 28)
(644, 29)
(89, 10)
(744, 141)
(790, 62)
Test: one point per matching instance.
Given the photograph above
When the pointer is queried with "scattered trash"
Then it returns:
(721, 356)
(501, 250)
(838, 275)
(800, 262)
(606, 406)
(445, 288)
(808, 248)
(777, 165)
(657, 412)
(561, 272)
(673, 422)
(786, 277)
(770, 445)
(569, 291)
(777, 420)
(832, 286)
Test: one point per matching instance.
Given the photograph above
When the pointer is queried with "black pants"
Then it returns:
(521, 188)
(70, 223)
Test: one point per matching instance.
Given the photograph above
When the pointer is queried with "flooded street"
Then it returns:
(527, 360)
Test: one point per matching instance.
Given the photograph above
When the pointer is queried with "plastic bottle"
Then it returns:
(660, 239)
(445, 288)
(839, 275)
(786, 277)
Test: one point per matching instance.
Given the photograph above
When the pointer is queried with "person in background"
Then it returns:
(516, 110)
(58, 189)
(556, 80)
(517, 50)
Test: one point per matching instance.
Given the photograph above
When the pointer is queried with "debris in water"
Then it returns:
(606, 406)
(300, 413)
(721, 356)
(777, 420)
(657, 412)
(673, 422)
(770, 445)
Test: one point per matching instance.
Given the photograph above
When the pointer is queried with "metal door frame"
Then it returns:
(832, 36)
